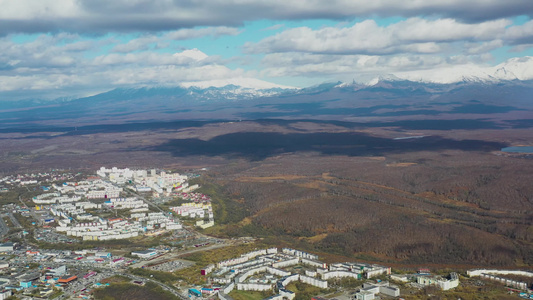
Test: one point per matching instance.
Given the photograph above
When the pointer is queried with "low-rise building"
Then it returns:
(144, 254)
(4, 294)
(444, 283)
(7, 247)
(67, 278)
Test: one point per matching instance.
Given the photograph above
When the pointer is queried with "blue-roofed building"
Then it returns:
(195, 292)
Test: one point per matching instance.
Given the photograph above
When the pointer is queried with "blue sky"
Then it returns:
(71, 48)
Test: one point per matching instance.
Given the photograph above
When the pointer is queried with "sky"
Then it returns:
(72, 48)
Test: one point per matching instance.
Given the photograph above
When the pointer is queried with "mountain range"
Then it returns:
(518, 68)
(387, 99)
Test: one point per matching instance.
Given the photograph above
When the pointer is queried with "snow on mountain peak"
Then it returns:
(520, 68)
(244, 82)
(195, 54)
(503, 73)
(515, 68)
(384, 78)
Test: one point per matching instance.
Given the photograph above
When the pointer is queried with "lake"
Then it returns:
(518, 149)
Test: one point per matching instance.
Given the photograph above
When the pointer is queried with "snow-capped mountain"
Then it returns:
(244, 83)
(191, 93)
(390, 98)
(520, 68)
(382, 78)
(513, 69)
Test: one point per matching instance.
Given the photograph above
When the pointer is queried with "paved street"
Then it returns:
(164, 286)
(175, 255)
(15, 221)
(3, 226)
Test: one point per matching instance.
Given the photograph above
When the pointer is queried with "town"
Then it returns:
(46, 227)
(89, 208)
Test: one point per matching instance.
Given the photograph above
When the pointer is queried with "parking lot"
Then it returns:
(171, 266)
(50, 236)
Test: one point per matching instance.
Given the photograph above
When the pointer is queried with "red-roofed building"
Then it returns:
(67, 279)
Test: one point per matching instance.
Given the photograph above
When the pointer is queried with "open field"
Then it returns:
(127, 290)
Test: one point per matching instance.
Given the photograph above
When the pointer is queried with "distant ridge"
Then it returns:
(390, 98)
(520, 68)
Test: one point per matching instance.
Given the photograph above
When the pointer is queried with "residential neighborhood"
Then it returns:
(125, 204)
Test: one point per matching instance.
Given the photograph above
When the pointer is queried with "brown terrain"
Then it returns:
(450, 197)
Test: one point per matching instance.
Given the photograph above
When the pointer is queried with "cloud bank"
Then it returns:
(60, 48)
(101, 16)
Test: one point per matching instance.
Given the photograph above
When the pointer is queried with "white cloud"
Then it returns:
(146, 58)
(84, 46)
(79, 46)
(137, 44)
(27, 9)
(247, 82)
(54, 65)
(521, 48)
(480, 48)
(215, 32)
(363, 68)
(515, 68)
(414, 35)
(102, 16)
(415, 47)
(446, 30)
(275, 27)
(147, 41)
(424, 68)
(520, 34)
(51, 66)
(194, 54)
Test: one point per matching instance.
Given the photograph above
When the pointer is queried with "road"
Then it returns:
(146, 201)
(31, 211)
(3, 226)
(164, 286)
(175, 255)
(14, 220)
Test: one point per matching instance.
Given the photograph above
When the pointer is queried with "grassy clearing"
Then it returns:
(464, 291)
(164, 277)
(305, 291)
(140, 242)
(226, 209)
(249, 295)
(204, 258)
(128, 291)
